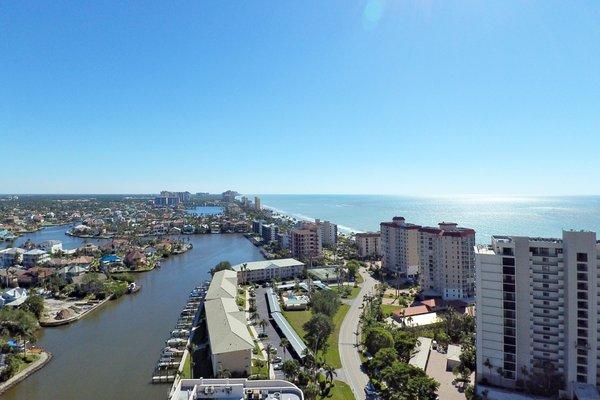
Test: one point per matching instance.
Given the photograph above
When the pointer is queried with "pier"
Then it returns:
(174, 354)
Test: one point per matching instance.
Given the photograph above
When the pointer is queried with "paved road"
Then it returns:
(351, 365)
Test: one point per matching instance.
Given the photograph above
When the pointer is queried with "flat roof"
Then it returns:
(421, 356)
(295, 341)
(272, 301)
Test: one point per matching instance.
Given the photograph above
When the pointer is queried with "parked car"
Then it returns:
(277, 366)
(371, 392)
(277, 359)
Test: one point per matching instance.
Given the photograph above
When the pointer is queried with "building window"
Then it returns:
(582, 257)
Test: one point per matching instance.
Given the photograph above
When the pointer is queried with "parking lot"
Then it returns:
(273, 336)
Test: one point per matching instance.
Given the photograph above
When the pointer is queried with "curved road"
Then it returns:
(352, 373)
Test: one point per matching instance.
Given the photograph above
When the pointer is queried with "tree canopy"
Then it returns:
(223, 265)
(406, 382)
(325, 302)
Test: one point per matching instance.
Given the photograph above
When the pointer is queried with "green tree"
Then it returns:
(35, 305)
(325, 302)
(311, 391)
(223, 265)
(383, 358)
(377, 338)
(406, 382)
(352, 266)
(404, 343)
(318, 328)
(291, 369)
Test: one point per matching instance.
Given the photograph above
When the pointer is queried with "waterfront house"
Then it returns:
(34, 276)
(9, 277)
(15, 296)
(34, 257)
(11, 256)
(71, 271)
(51, 246)
(110, 260)
(135, 259)
(88, 249)
(6, 235)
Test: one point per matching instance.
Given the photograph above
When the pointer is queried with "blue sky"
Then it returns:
(398, 97)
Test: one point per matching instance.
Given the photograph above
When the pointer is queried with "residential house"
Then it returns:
(34, 257)
(51, 246)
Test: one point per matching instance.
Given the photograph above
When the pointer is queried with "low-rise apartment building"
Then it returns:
(537, 312)
(262, 271)
(368, 244)
(229, 340)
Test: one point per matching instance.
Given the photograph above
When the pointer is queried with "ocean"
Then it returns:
(510, 215)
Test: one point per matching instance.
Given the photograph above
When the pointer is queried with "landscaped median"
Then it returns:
(297, 319)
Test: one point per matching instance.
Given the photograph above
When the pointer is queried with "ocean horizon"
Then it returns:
(537, 216)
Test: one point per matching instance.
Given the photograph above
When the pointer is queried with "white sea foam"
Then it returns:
(302, 217)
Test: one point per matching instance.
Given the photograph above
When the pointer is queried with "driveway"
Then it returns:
(352, 373)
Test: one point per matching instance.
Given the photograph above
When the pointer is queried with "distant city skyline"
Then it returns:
(410, 97)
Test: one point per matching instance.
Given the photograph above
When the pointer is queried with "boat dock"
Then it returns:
(173, 355)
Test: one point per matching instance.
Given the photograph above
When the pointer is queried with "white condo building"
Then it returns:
(537, 312)
(329, 232)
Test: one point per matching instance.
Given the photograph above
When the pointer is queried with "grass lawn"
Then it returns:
(340, 391)
(186, 373)
(298, 318)
(258, 369)
(359, 279)
(22, 362)
(388, 309)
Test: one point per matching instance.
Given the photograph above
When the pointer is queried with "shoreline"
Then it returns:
(301, 217)
(44, 359)
(46, 323)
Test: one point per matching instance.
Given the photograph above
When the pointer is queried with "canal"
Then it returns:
(111, 353)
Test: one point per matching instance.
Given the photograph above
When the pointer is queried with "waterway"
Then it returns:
(111, 353)
(206, 210)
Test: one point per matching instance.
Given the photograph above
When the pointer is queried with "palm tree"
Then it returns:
(284, 344)
(263, 324)
(329, 372)
(311, 391)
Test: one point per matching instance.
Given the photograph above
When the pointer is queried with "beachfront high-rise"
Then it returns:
(329, 232)
(443, 256)
(257, 205)
(368, 244)
(305, 241)
(399, 247)
(537, 311)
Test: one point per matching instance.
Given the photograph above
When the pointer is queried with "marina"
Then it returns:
(174, 354)
(119, 342)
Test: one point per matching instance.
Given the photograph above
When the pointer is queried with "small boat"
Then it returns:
(133, 288)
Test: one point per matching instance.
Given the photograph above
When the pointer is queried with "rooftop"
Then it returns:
(223, 284)
(257, 265)
(236, 389)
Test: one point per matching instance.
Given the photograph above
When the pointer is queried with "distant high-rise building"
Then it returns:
(537, 312)
(368, 244)
(305, 241)
(257, 203)
(229, 196)
(328, 232)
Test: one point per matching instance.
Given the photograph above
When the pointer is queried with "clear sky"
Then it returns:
(340, 96)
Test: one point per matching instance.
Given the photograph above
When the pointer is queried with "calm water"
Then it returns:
(206, 210)
(111, 353)
(532, 216)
